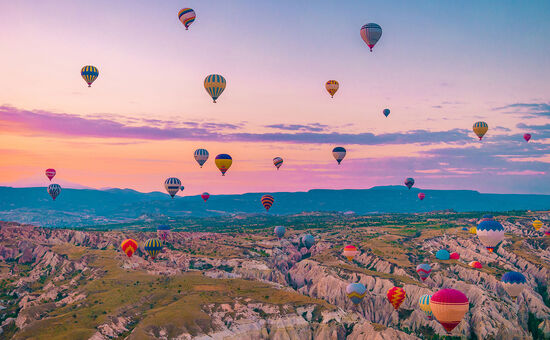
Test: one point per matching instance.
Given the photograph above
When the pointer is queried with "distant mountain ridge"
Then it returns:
(81, 207)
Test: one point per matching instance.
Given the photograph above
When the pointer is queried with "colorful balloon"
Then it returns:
(277, 161)
(201, 156)
(214, 85)
(308, 240)
(205, 196)
(527, 137)
(163, 231)
(371, 33)
(356, 292)
(280, 231)
(423, 271)
(442, 254)
(448, 307)
(537, 224)
(129, 247)
(409, 182)
(396, 296)
(473, 230)
(332, 86)
(547, 232)
(54, 190)
(490, 233)
(267, 201)
(424, 303)
(421, 195)
(339, 153)
(50, 173)
(187, 17)
(153, 246)
(475, 264)
(223, 162)
(454, 256)
(172, 186)
(90, 74)
(350, 252)
(480, 129)
(513, 283)
(386, 112)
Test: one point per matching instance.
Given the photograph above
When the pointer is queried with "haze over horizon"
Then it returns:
(148, 111)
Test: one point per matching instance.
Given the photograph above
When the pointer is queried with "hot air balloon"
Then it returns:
(371, 33)
(473, 230)
(454, 256)
(153, 246)
(386, 112)
(464, 228)
(280, 231)
(513, 283)
(267, 201)
(50, 173)
(486, 218)
(396, 296)
(223, 162)
(448, 307)
(182, 188)
(547, 232)
(421, 195)
(423, 271)
(129, 246)
(163, 231)
(356, 292)
(424, 303)
(339, 153)
(277, 161)
(350, 252)
(537, 225)
(90, 74)
(490, 233)
(475, 264)
(332, 86)
(527, 137)
(54, 190)
(205, 196)
(214, 85)
(172, 186)
(480, 128)
(187, 17)
(201, 156)
(442, 254)
(409, 182)
(308, 241)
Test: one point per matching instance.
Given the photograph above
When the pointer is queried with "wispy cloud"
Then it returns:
(313, 127)
(527, 110)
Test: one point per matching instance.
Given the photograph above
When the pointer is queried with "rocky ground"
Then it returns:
(59, 283)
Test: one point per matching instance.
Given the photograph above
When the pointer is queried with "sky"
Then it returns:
(439, 67)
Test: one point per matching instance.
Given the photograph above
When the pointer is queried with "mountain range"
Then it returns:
(86, 207)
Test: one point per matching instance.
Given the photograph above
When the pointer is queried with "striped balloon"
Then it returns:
(187, 17)
(350, 252)
(90, 74)
(332, 86)
(339, 153)
(172, 186)
(214, 85)
(267, 201)
(480, 129)
(396, 296)
(356, 292)
(449, 306)
(223, 162)
(278, 161)
(201, 156)
(129, 247)
(423, 271)
(153, 246)
(50, 173)
(537, 224)
(54, 190)
(205, 196)
(424, 303)
(409, 182)
(371, 33)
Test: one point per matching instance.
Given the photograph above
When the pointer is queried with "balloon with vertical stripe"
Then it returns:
(172, 186)
(424, 303)
(187, 17)
(54, 190)
(214, 85)
(371, 33)
(201, 156)
(480, 129)
(153, 246)
(89, 73)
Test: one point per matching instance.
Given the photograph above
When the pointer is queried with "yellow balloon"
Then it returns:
(480, 129)
(223, 162)
(473, 230)
(537, 225)
(332, 86)
(214, 85)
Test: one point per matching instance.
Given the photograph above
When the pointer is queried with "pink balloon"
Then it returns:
(527, 136)
(421, 195)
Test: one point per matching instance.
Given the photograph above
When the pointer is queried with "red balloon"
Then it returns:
(50, 173)
(421, 195)
(527, 136)
(205, 196)
(454, 256)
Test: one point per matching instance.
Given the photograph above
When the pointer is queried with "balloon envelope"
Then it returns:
(129, 247)
(475, 264)
(350, 252)
(223, 162)
(201, 156)
(396, 296)
(423, 271)
(409, 182)
(54, 190)
(187, 17)
(50, 173)
(280, 231)
(537, 224)
(163, 231)
(490, 233)
(332, 86)
(480, 129)
(339, 153)
(205, 196)
(277, 161)
(356, 292)
(448, 307)
(214, 84)
(424, 303)
(153, 246)
(89, 73)
(371, 33)
(527, 137)
(454, 256)
(386, 112)
(421, 195)
(513, 283)
(267, 201)
(172, 186)
(308, 240)
(442, 254)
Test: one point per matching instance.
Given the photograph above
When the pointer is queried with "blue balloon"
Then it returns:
(280, 231)
(308, 241)
(513, 277)
(443, 254)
